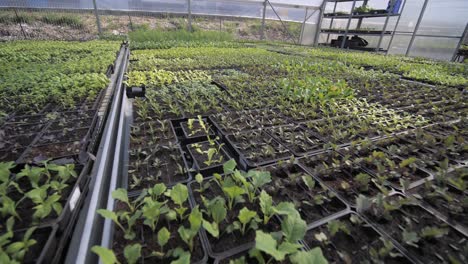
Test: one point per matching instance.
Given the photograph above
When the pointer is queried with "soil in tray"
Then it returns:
(27, 119)
(322, 163)
(78, 114)
(12, 130)
(268, 117)
(297, 139)
(413, 218)
(343, 181)
(258, 147)
(199, 151)
(70, 124)
(63, 136)
(20, 141)
(39, 153)
(162, 164)
(148, 239)
(196, 130)
(288, 185)
(232, 122)
(354, 247)
(228, 241)
(154, 133)
(11, 154)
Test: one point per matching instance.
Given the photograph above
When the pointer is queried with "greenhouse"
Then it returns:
(243, 131)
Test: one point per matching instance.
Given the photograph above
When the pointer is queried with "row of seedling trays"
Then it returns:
(47, 171)
(155, 146)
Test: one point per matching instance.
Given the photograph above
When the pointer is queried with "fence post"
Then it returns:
(190, 15)
(262, 33)
(19, 22)
(98, 21)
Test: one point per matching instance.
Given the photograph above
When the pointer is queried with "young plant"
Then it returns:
(44, 203)
(216, 209)
(232, 191)
(179, 195)
(188, 234)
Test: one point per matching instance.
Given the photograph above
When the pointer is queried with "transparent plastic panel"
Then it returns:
(433, 47)
(446, 18)
(252, 9)
(400, 44)
(410, 15)
(285, 13)
(60, 4)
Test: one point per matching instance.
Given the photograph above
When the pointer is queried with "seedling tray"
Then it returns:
(247, 163)
(44, 249)
(200, 135)
(233, 125)
(203, 168)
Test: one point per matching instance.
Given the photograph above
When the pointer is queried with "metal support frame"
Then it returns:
(347, 26)
(465, 32)
(303, 25)
(332, 19)
(383, 31)
(19, 22)
(262, 33)
(282, 23)
(421, 15)
(98, 20)
(319, 23)
(396, 26)
(189, 11)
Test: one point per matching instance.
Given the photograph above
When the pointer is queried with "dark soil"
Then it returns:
(218, 158)
(232, 122)
(197, 130)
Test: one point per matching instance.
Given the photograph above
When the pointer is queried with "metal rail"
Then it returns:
(87, 232)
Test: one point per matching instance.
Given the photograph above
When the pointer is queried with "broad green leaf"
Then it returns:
(179, 194)
(259, 178)
(199, 178)
(294, 228)
(132, 253)
(107, 256)
(229, 166)
(309, 181)
(266, 243)
(410, 238)
(163, 236)
(286, 208)
(314, 256)
(121, 195)
(158, 189)
(183, 257)
(266, 205)
(245, 215)
(218, 210)
(211, 228)
(5, 168)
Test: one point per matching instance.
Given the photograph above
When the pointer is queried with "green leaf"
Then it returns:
(335, 226)
(286, 208)
(434, 232)
(309, 181)
(211, 228)
(245, 215)
(132, 253)
(266, 205)
(121, 195)
(363, 203)
(408, 162)
(107, 256)
(183, 257)
(314, 256)
(410, 238)
(179, 194)
(229, 166)
(157, 190)
(259, 178)
(199, 178)
(294, 228)
(266, 243)
(163, 236)
(218, 210)
(5, 168)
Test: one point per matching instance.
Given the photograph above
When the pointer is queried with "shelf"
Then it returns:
(355, 48)
(357, 16)
(356, 32)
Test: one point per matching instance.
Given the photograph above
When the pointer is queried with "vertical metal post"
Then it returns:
(303, 25)
(383, 32)
(131, 23)
(332, 19)
(262, 33)
(421, 15)
(319, 23)
(359, 23)
(19, 22)
(98, 21)
(189, 15)
(396, 27)
(347, 26)
(460, 42)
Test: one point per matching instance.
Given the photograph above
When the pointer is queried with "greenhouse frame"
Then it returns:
(244, 131)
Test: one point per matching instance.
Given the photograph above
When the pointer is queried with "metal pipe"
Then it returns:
(383, 31)
(421, 15)
(98, 21)
(189, 15)
(262, 33)
(332, 19)
(282, 23)
(460, 42)
(19, 22)
(396, 26)
(303, 26)
(349, 23)
(319, 24)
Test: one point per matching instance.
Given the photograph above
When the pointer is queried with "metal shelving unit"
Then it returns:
(387, 14)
